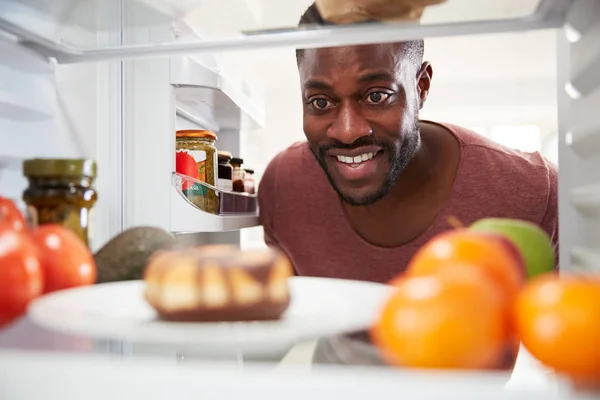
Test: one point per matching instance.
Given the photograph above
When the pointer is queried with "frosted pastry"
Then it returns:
(218, 283)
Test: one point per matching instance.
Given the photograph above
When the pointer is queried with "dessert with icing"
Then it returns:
(218, 283)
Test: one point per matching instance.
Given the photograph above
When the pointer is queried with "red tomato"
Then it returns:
(65, 259)
(11, 216)
(21, 278)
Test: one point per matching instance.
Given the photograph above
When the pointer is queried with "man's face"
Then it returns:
(360, 108)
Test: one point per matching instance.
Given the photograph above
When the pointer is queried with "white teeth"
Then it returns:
(355, 160)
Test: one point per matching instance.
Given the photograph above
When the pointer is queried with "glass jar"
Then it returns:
(225, 171)
(249, 183)
(60, 191)
(237, 174)
(196, 157)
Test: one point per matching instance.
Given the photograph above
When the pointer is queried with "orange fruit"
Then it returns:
(495, 254)
(558, 321)
(461, 271)
(444, 321)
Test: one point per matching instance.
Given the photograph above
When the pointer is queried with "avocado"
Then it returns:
(124, 257)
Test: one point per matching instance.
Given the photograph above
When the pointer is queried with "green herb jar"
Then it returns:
(60, 191)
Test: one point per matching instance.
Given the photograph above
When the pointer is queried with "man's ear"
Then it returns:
(424, 77)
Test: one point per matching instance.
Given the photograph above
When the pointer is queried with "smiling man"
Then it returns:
(373, 183)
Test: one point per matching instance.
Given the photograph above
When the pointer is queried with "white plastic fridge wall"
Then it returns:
(62, 111)
(579, 137)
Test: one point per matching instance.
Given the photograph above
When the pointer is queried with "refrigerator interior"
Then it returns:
(113, 80)
(122, 73)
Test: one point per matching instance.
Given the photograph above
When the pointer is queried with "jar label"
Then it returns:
(225, 184)
(193, 164)
(74, 218)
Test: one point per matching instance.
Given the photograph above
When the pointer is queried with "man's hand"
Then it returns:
(352, 11)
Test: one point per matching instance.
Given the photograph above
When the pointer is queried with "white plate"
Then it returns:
(319, 307)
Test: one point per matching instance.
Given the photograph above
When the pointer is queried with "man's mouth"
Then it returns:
(356, 165)
(356, 159)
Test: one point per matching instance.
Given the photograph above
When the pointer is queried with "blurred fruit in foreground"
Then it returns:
(532, 241)
(469, 272)
(558, 321)
(444, 321)
(493, 253)
(125, 256)
(65, 259)
(10, 216)
(20, 274)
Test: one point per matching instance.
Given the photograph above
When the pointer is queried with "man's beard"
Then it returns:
(398, 161)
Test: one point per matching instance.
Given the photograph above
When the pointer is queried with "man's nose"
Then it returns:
(349, 124)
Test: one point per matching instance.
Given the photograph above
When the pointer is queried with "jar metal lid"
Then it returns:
(223, 155)
(45, 167)
(199, 134)
(237, 161)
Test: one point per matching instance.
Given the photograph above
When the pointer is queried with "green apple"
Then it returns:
(531, 240)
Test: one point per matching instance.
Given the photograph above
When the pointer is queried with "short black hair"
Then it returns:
(414, 48)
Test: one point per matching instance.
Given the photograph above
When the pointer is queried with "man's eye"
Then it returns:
(321, 104)
(377, 97)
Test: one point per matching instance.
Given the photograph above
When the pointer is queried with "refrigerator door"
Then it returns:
(49, 110)
(579, 145)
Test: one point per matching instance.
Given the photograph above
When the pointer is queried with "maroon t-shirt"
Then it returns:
(302, 214)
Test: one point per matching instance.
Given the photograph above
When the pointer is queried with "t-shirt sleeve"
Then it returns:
(266, 203)
(550, 220)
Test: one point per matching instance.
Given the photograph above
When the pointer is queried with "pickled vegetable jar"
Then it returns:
(197, 158)
(60, 191)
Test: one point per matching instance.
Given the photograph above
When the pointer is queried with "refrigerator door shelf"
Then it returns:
(586, 144)
(187, 217)
(50, 18)
(202, 86)
(586, 200)
(24, 107)
(585, 260)
(195, 116)
(27, 88)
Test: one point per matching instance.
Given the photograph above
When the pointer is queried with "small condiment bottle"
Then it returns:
(225, 171)
(249, 183)
(238, 174)
(60, 191)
